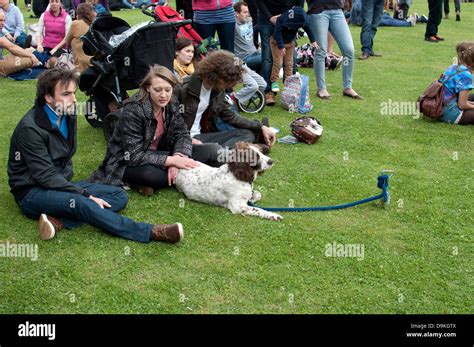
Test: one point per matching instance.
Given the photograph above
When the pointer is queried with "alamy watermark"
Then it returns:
(19, 250)
(241, 156)
(400, 108)
(347, 250)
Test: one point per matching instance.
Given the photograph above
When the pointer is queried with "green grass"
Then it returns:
(418, 253)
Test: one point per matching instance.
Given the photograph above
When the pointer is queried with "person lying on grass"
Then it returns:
(40, 171)
(458, 106)
(151, 141)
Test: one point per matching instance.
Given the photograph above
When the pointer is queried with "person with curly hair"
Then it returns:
(202, 97)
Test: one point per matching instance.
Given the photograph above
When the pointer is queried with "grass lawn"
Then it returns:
(418, 253)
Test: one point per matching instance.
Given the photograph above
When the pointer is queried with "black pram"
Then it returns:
(122, 57)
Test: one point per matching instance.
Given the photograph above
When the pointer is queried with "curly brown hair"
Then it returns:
(220, 66)
(465, 52)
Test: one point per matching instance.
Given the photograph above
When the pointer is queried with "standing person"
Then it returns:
(268, 12)
(457, 8)
(328, 16)
(282, 42)
(434, 20)
(211, 16)
(185, 8)
(151, 141)
(40, 171)
(53, 26)
(371, 13)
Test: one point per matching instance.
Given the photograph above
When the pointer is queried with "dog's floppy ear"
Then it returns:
(241, 169)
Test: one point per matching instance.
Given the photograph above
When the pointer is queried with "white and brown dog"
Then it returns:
(230, 185)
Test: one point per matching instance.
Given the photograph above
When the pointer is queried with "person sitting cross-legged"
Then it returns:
(203, 101)
(40, 171)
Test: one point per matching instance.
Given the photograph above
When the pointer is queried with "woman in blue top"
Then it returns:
(458, 102)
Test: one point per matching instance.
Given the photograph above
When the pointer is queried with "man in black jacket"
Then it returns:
(40, 171)
(268, 12)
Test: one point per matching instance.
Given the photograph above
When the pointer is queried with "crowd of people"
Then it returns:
(155, 137)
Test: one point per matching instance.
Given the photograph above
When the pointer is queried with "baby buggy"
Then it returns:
(255, 104)
(121, 58)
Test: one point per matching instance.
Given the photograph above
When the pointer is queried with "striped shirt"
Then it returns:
(224, 15)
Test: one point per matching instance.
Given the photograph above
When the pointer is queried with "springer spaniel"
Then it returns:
(230, 185)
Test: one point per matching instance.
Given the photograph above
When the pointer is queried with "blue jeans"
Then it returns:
(75, 209)
(266, 30)
(371, 13)
(332, 21)
(254, 61)
(225, 31)
(389, 21)
(20, 40)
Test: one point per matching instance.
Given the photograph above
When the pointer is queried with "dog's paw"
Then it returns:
(275, 217)
(256, 196)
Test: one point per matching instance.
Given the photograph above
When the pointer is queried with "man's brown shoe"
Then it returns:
(270, 99)
(171, 233)
(364, 56)
(144, 190)
(49, 226)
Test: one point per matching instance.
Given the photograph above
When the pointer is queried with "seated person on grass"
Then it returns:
(202, 97)
(184, 60)
(40, 171)
(458, 102)
(150, 140)
(18, 59)
(14, 26)
(244, 46)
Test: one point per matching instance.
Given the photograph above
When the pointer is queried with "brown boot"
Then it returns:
(270, 99)
(171, 233)
(144, 190)
(49, 226)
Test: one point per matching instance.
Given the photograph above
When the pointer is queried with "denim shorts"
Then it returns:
(451, 113)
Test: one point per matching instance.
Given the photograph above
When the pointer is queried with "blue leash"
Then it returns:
(382, 183)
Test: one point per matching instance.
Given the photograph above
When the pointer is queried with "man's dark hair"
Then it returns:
(238, 6)
(48, 80)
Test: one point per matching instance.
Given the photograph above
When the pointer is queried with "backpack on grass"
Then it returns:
(295, 95)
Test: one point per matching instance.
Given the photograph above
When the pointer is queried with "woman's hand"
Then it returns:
(196, 142)
(40, 48)
(181, 162)
(172, 172)
(269, 135)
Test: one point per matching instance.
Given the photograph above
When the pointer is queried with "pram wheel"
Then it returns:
(96, 110)
(109, 125)
(254, 105)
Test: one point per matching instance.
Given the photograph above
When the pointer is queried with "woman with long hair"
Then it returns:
(151, 141)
